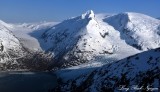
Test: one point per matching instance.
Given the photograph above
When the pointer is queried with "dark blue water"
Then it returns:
(20, 81)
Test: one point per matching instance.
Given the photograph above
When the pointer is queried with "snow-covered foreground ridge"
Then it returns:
(137, 71)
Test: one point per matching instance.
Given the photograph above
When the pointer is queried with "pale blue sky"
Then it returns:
(58, 10)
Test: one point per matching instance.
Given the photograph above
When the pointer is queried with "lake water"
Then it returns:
(22, 81)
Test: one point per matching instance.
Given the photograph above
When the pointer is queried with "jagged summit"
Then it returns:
(88, 14)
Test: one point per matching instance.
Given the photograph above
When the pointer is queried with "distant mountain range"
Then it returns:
(86, 38)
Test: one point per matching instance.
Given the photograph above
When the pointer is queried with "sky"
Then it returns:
(20, 11)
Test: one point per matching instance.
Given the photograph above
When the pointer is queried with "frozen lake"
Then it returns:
(22, 81)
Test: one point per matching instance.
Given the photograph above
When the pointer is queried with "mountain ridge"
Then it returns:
(88, 34)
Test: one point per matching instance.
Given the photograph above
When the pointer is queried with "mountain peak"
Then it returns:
(88, 14)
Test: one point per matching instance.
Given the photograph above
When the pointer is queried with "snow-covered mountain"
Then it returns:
(88, 38)
(137, 71)
(77, 40)
(10, 47)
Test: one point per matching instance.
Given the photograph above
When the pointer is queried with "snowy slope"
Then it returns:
(10, 46)
(141, 69)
